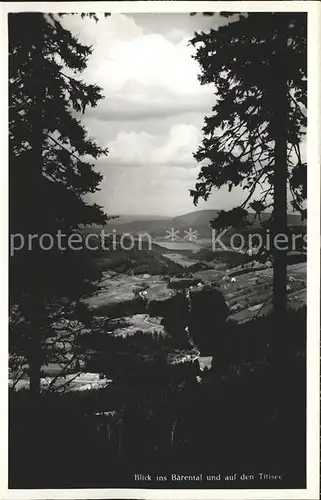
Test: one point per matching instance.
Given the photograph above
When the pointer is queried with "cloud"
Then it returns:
(176, 26)
(143, 149)
(139, 107)
(142, 74)
(182, 142)
(152, 113)
(132, 149)
(155, 61)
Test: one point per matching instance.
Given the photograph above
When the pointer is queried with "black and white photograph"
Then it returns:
(158, 208)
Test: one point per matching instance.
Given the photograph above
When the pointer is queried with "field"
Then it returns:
(180, 259)
(123, 298)
(247, 294)
(116, 288)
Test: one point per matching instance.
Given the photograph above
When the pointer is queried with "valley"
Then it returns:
(134, 283)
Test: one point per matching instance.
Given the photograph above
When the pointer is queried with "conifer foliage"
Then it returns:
(258, 65)
(51, 162)
(48, 143)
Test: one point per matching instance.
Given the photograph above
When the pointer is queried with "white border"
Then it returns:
(313, 228)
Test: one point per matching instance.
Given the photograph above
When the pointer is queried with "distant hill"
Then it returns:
(127, 218)
(197, 218)
(199, 221)
(157, 227)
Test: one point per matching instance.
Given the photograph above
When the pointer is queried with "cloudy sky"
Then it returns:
(153, 111)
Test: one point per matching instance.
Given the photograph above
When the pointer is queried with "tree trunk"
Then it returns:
(37, 223)
(280, 190)
(32, 311)
(37, 300)
(35, 368)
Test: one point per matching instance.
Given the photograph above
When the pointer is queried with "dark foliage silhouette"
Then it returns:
(250, 404)
(252, 139)
(49, 175)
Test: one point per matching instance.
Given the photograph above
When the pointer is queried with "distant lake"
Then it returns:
(179, 245)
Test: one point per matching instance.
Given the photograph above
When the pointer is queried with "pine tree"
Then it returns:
(51, 162)
(258, 64)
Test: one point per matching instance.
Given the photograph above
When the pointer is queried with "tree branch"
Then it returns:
(64, 147)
